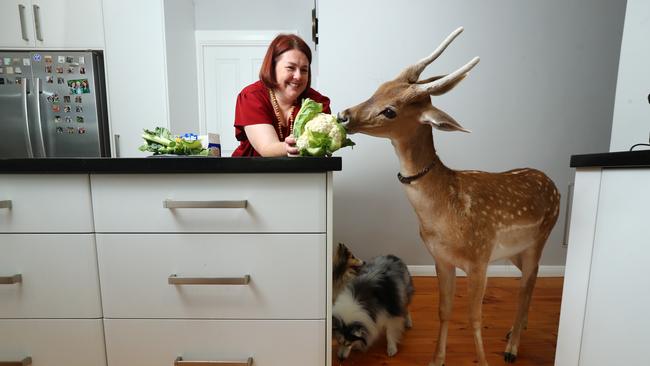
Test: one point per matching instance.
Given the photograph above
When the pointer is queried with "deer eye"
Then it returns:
(388, 113)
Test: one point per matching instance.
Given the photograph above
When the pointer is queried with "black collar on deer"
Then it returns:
(407, 180)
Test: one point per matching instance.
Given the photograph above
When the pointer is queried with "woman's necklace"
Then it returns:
(278, 115)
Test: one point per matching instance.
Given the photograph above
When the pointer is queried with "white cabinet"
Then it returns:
(51, 24)
(607, 288)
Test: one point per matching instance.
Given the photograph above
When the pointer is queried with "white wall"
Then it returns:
(544, 90)
(632, 111)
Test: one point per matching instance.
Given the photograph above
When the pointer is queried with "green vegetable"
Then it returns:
(161, 141)
(316, 133)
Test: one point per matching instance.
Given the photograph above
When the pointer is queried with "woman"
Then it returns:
(266, 109)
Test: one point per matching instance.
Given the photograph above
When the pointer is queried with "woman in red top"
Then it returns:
(266, 109)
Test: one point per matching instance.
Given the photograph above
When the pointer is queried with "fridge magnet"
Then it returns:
(82, 60)
(79, 109)
(57, 119)
(66, 99)
(37, 57)
(61, 59)
(9, 70)
(77, 99)
(48, 69)
(26, 62)
(70, 70)
(67, 109)
(18, 70)
(69, 59)
(59, 130)
(48, 59)
(80, 119)
(59, 69)
(82, 70)
(49, 80)
(7, 61)
(81, 130)
(60, 80)
(70, 130)
(2, 70)
(10, 82)
(53, 98)
(1, 61)
(56, 108)
(19, 81)
(16, 61)
(68, 119)
(2, 81)
(79, 86)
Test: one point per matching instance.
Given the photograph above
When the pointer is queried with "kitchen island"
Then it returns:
(166, 260)
(606, 293)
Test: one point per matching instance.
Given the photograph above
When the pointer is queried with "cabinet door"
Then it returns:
(68, 24)
(16, 24)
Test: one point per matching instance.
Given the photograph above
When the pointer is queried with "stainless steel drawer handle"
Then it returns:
(175, 280)
(24, 362)
(10, 280)
(5, 204)
(205, 204)
(179, 362)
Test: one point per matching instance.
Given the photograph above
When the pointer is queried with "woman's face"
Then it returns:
(292, 74)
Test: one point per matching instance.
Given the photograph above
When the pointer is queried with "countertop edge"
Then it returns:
(617, 159)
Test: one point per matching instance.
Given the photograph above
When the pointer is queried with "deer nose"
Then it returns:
(342, 117)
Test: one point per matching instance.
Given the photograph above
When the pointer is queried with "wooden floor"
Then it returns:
(537, 347)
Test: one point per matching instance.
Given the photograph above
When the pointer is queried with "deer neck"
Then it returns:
(417, 152)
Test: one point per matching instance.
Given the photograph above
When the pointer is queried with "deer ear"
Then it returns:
(440, 120)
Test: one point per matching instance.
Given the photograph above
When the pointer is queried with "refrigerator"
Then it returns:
(53, 104)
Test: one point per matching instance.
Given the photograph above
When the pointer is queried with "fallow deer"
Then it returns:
(467, 218)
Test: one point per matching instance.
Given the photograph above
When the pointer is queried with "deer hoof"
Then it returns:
(509, 357)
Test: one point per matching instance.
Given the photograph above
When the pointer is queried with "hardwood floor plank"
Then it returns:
(537, 347)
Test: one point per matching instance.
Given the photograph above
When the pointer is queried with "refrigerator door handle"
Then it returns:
(116, 143)
(28, 137)
(23, 26)
(39, 91)
(37, 22)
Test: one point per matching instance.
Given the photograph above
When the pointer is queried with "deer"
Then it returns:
(467, 218)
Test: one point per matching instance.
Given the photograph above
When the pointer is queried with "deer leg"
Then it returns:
(477, 279)
(446, 273)
(528, 263)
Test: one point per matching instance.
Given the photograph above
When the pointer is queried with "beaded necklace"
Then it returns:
(278, 115)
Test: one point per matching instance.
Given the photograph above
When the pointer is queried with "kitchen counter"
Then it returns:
(619, 159)
(171, 164)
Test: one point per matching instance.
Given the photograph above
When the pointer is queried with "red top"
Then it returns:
(254, 107)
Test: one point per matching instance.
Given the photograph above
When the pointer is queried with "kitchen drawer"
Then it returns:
(58, 203)
(58, 272)
(274, 202)
(287, 275)
(53, 342)
(159, 342)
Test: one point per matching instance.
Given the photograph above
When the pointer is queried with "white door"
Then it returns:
(69, 24)
(228, 61)
(16, 24)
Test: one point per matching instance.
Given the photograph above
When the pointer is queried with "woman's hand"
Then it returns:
(290, 146)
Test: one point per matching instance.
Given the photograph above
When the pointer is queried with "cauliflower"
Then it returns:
(316, 133)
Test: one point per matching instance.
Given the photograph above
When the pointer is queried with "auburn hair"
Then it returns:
(281, 44)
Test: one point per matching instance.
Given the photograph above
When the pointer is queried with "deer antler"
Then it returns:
(412, 73)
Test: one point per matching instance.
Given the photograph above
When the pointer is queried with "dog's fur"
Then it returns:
(375, 300)
(344, 269)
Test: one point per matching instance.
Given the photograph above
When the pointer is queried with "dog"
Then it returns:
(374, 301)
(344, 269)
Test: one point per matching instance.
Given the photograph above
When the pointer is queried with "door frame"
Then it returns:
(209, 38)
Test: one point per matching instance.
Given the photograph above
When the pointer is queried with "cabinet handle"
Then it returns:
(23, 27)
(5, 204)
(179, 362)
(175, 280)
(10, 280)
(37, 21)
(116, 143)
(204, 204)
(567, 214)
(24, 362)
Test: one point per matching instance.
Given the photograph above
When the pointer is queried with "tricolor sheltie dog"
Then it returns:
(374, 301)
(345, 267)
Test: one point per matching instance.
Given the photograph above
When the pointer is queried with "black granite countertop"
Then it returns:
(171, 164)
(620, 159)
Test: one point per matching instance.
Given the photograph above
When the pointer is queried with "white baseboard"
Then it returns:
(495, 270)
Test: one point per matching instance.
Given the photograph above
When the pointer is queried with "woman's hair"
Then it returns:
(281, 44)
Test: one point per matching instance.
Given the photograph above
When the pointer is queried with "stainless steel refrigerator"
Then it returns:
(53, 104)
